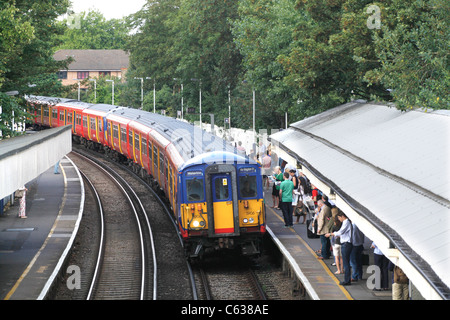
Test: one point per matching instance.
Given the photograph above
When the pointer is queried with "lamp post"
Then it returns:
(200, 98)
(78, 88)
(142, 91)
(112, 90)
(154, 94)
(254, 108)
(229, 107)
(182, 117)
(95, 89)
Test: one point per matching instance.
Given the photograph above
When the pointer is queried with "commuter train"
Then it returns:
(216, 194)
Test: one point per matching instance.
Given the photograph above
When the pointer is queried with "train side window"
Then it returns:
(155, 156)
(167, 168)
(92, 120)
(144, 146)
(115, 131)
(150, 150)
(161, 162)
(85, 121)
(194, 189)
(61, 115)
(54, 113)
(123, 134)
(247, 186)
(136, 140)
(130, 137)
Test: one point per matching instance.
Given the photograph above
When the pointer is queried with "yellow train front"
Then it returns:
(221, 204)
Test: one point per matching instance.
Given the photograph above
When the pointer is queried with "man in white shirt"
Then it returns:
(345, 233)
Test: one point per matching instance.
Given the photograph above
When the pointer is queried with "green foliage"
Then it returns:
(26, 56)
(186, 39)
(413, 51)
(91, 30)
(299, 56)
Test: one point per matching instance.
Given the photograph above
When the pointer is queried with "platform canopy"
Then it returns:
(389, 171)
(23, 158)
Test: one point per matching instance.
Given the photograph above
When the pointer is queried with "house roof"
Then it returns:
(390, 165)
(94, 60)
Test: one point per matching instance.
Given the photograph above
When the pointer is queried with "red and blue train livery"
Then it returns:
(216, 195)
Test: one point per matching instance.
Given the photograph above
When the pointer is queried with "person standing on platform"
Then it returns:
(286, 191)
(400, 285)
(56, 169)
(278, 177)
(345, 233)
(22, 205)
(323, 228)
(382, 262)
(266, 165)
(356, 256)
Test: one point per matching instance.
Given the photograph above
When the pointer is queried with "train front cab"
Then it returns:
(222, 207)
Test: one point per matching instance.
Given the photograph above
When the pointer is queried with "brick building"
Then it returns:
(92, 64)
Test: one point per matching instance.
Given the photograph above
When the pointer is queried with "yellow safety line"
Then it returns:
(27, 270)
(328, 271)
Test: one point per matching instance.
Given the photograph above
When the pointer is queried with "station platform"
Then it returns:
(33, 249)
(317, 276)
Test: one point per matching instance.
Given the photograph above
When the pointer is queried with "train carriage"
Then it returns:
(70, 113)
(46, 110)
(221, 202)
(113, 124)
(216, 195)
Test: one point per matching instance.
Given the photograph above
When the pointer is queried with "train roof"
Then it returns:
(103, 107)
(217, 157)
(188, 139)
(48, 100)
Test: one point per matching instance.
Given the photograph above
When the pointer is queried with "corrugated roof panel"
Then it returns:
(390, 139)
(347, 145)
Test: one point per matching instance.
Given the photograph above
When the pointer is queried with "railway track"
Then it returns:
(175, 278)
(172, 279)
(235, 280)
(126, 244)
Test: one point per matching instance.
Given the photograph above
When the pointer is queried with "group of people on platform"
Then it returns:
(339, 237)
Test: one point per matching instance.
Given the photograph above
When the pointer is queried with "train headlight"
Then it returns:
(245, 220)
(251, 220)
(197, 224)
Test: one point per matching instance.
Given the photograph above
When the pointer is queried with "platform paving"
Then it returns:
(32, 249)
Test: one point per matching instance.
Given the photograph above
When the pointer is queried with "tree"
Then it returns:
(26, 56)
(263, 33)
(187, 39)
(413, 51)
(91, 30)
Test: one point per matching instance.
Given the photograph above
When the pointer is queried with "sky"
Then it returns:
(109, 8)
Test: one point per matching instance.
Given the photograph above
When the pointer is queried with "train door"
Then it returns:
(222, 199)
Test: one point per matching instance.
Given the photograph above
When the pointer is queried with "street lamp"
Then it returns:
(200, 95)
(95, 89)
(254, 131)
(78, 89)
(229, 107)
(182, 117)
(112, 90)
(142, 91)
(154, 94)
